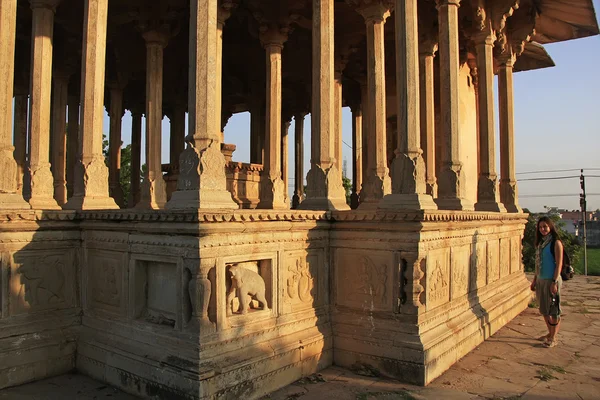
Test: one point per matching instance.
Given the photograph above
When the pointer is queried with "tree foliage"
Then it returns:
(347, 183)
(125, 173)
(571, 242)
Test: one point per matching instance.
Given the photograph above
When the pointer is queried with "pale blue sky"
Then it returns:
(557, 124)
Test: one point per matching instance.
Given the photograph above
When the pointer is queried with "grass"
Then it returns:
(402, 395)
(593, 262)
(545, 375)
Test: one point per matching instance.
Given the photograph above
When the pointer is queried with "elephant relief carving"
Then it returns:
(43, 280)
(246, 284)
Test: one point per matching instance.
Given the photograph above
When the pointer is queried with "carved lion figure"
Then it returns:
(244, 283)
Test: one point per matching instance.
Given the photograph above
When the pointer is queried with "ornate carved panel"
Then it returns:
(478, 266)
(41, 280)
(365, 279)
(493, 260)
(438, 277)
(461, 256)
(301, 285)
(106, 274)
(504, 257)
(515, 254)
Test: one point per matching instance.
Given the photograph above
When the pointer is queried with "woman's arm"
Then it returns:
(558, 258)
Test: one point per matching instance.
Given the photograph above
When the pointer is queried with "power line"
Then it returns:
(548, 178)
(521, 196)
(558, 170)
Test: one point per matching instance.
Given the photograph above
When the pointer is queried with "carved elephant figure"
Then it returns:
(244, 283)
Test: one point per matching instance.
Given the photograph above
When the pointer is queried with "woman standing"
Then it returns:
(547, 281)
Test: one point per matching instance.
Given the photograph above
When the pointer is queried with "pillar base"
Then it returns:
(202, 183)
(509, 194)
(295, 201)
(489, 205)
(273, 194)
(324, 190)
(91, 187)
(454, 204)
(413, 201)
(90, 203)
(13, 201)
(374, 189)
(116, 192)
(431, 189)
(154, 194)
(354, 200)
(43, 203)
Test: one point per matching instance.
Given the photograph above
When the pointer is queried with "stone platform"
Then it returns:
(509, 365)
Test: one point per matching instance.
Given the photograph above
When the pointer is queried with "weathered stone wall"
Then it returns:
(412, 295)
(39, 296)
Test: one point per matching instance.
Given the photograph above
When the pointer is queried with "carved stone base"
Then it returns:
(324, 190)
(91, 187)
(116, 192)
(42, 189)
(13, 201)
(431, 188)
(374, 189)
(272, 195)
(407, 202)
(487, 195)
(202, 182)
(354, 200)
(154, 193)
(295, 201)
(449, 194)
(509, 194)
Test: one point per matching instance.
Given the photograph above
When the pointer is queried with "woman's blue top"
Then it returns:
(548, 264)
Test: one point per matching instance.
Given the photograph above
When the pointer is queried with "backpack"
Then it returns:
(567, 270)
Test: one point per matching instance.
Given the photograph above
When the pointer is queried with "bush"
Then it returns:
(571, 242)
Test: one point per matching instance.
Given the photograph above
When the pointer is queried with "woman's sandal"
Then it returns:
(551, 343)
(544, 338)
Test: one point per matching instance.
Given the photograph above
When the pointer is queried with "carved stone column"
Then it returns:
(9, 196)
(488, 196)
(299, 160)
(408, 167)
(114, 149)
(509, 193)
(364, 105)
(451, 182)
(257, 120)
(72, 142)
(202, 181)
(357, 124)
(285, 176)
(199, 291)
(427, 112)
(412, 296)
(377, 182)
(136, 153)
(154, 188)
(91, 177)
(338, 102)
(20, 140)
(42, 29)
(59, 136)
(177, 144)
(324, 185)
(273, 188)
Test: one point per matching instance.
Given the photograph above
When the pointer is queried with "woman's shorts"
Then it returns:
(544, 297)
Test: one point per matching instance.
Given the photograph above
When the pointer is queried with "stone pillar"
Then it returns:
(42, 28)
(223, 13)
(324, 184)
(59, 136)
(72, 142)
(202, 186)
(256, 131)
(177, 144)
(364, 105)
(451, 181)
(91, 177)
(408, 167)
(285, 176)
(299, 160)
(377, 182)
(136, 152)
(427, 113)
(9, 196)
(509, 194)
(488, 197)
(337, 87)
(272, 194)
(114, 149)
(20, 139)
(357, 122)
(154, 188)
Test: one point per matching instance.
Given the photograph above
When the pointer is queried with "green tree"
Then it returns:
(571, 243)
(347, 187)
(125, 173)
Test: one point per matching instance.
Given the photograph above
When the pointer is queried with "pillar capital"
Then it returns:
(428, 48)
(156, 38)
(49, 4)
(442, 3)
(273, 35)
(224, 10)
(373, 11)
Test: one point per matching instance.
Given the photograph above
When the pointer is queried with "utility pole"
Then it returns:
(583, 204)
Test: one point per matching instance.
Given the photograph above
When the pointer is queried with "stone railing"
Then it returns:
(243, 182)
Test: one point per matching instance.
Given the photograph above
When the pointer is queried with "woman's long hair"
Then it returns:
(538, 235)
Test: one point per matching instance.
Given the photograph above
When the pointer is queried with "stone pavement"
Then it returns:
(512, 364)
